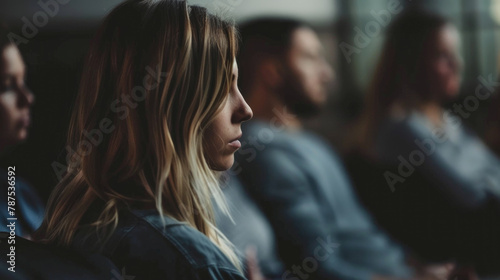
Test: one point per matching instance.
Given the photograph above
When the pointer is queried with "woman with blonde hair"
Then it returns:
(157, 115)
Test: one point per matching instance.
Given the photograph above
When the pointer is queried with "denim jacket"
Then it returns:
(143, 248)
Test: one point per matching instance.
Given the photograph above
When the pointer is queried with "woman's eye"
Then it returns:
(5, 88)
(7, 84)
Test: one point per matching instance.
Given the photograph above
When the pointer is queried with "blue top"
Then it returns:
(301, 186)
(249, 228)
(455, 159)
(29, 208)
(143, 248)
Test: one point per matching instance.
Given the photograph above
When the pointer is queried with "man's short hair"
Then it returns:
(263, 39)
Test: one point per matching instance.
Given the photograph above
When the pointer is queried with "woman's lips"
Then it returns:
(24, 122)
(235, 144)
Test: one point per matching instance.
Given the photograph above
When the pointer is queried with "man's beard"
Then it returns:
(293, 94)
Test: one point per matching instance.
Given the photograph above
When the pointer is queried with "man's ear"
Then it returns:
(271, 73)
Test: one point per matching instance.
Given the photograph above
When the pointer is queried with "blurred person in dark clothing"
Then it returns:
(15, 104)
(298, 181)
(492, 129)
(444, 180)
(419, 71)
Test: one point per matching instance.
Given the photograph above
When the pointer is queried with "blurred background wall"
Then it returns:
(59, 39)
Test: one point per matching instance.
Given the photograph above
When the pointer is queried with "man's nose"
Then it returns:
(327, 72)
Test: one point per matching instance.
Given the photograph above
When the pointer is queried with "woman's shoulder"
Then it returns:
(145, 244)
(396, 123)
(192, 244)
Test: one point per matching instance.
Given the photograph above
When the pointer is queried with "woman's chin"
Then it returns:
(451, 96)
(23, 135)
(223, 164)
(14, 140)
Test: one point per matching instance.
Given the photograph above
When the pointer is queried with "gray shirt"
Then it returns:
(455, 159)
(248, 227)
(321, 228)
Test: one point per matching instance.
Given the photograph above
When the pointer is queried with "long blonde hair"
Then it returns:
(157, 74)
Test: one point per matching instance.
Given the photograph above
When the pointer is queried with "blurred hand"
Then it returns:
(447, 271)
(463, 273)
(438, 271)
(252, 264)
(431, 272)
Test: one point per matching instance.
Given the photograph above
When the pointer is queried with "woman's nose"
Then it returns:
(26, 98)
(244, 112)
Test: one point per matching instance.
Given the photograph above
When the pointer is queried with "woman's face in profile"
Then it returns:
(15, 98)
(221, 137)
(446, 63)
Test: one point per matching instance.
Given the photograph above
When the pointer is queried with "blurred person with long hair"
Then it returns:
(157, 116)
(16, 101)
(420, 71)
(442, 177)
